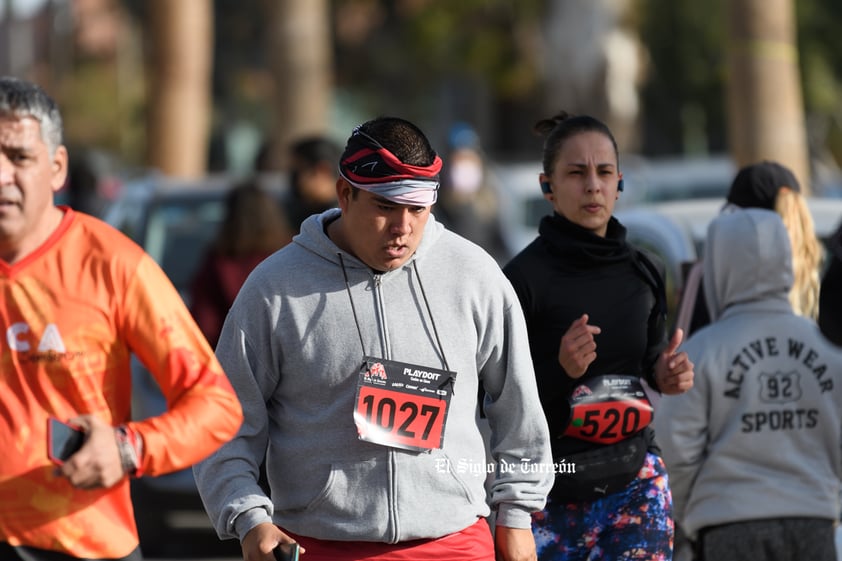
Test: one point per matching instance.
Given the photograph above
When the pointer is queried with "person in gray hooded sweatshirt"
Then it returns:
(753, 450)
(358, 352)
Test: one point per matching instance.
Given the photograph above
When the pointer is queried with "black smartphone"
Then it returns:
(286, 552)
(63, 440)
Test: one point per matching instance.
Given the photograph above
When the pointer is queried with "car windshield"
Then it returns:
(178, 232)
(697, 190)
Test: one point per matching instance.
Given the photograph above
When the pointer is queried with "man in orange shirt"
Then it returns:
(77, 299)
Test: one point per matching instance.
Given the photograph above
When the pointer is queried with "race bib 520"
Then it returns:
(608, 409)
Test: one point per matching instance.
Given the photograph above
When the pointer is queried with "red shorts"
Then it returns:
(474, 543)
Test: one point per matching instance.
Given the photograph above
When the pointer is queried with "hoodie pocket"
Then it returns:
(439, 495)
(436, 480)
(353, 488)
(404, 496)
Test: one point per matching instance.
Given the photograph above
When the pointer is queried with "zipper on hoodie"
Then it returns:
(391, 493)
(380, 307)
(393, 528)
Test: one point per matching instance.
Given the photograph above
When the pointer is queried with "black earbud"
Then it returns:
(620, 185)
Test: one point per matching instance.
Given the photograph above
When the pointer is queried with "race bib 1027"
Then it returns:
(402, 405)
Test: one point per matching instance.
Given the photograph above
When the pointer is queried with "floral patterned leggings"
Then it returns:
(633, 524)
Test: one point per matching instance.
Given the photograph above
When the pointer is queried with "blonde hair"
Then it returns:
(807, 252)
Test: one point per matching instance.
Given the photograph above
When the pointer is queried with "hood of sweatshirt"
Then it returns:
(748, 256)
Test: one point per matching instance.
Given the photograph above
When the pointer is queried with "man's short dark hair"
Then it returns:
(401, 138)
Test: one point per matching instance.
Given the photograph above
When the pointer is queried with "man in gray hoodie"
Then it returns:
(358, 352)
(753, 450)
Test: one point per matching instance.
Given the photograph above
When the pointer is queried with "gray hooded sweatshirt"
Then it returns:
(759, 434)
(293, 349)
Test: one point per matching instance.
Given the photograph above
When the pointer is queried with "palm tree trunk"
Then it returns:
(179, 88)
(764, 98)
(301, 59)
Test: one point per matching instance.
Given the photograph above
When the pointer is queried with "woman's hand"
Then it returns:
(578, 347)
(674, 371)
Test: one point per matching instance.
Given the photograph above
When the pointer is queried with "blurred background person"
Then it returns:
(312, 177)
(468, 203)
(254, 227)
(82, 190)
(830, 297)
(752, 451)
(771, 186)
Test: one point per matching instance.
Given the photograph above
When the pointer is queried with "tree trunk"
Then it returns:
(595, 65)
(765, 103)
(179, 87)
(301, 59)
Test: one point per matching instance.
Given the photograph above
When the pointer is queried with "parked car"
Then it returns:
(174, 221)
(662, 179)
(676, 231)
(520, 201)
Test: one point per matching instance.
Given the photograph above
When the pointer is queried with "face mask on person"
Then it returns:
(466, 176)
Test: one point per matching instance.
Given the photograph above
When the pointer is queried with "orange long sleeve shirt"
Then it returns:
(72, 314)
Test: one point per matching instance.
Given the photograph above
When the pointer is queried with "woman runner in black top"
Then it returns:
(595, 311)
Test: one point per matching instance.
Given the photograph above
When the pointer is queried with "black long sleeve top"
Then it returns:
(830, 295)
(568, 271)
